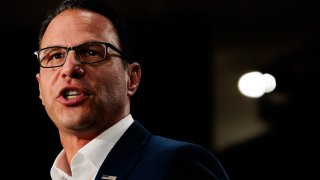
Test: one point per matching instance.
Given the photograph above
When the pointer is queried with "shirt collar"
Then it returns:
(96, 150)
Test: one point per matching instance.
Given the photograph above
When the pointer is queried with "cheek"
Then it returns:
(43, 92)
(115, 83)
(45, 89)
(113, 76)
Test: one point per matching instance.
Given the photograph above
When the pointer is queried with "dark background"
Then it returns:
(177, 43)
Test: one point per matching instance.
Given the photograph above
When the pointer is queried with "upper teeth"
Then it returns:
(71, 94)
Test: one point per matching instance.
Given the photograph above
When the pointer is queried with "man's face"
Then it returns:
(86, 97)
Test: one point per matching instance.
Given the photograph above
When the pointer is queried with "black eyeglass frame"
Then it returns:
(107, 45)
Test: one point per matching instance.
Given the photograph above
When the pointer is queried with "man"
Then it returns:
(85, 81)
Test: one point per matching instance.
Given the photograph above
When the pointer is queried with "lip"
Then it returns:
(74, 101)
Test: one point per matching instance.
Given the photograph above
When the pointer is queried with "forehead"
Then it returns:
(77, 26)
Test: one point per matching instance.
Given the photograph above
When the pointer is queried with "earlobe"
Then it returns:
(134, 72)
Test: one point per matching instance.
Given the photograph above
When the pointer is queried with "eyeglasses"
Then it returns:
(87, 53)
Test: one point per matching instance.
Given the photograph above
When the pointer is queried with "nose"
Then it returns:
(72, 67)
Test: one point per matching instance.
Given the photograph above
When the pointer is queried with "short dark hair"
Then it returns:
(100, 7)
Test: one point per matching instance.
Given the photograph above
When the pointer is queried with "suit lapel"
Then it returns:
(125, 154)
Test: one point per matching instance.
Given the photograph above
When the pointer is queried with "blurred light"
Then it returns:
(254, 84)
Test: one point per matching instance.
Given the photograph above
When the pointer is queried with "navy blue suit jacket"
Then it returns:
(139, 155)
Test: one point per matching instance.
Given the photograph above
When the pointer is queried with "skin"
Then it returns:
(104, 88)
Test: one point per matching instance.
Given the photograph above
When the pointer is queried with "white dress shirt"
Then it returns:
(86, 163)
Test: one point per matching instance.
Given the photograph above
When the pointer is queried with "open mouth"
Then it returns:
(70, 94)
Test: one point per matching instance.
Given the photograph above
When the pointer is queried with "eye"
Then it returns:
(53, 54)
(56, 56)
(90, 52)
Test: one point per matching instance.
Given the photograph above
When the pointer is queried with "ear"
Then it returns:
(38, 79)
(134, 72)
